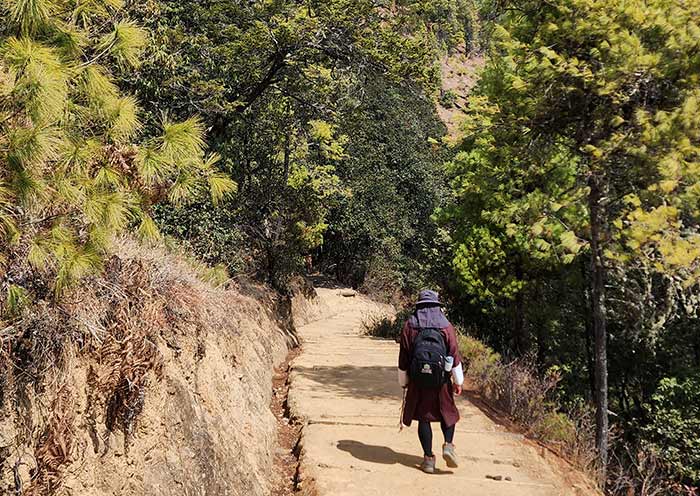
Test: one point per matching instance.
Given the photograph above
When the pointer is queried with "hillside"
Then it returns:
(145, 380)
(172, 173)
(459, 73)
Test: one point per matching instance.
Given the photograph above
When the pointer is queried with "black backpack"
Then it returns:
(427, 369)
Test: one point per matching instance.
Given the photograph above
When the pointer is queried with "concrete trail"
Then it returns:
(343, 385)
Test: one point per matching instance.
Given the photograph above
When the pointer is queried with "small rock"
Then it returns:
(508, 478)
(495, 477)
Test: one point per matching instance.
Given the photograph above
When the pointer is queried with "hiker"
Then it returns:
(428, 344)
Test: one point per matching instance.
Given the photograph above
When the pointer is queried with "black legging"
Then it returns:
(425, 434)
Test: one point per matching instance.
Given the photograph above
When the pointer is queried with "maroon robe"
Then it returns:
(429, 405)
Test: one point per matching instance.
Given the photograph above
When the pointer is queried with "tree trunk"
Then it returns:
(597, 282)
(588, 328)
(519, 342)
(540, 328)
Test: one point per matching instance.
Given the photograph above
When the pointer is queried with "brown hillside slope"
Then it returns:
(459, 72)
(146, 381)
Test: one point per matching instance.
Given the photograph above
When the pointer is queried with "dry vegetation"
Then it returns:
(75, 375)
(114, 320)
(517, 389)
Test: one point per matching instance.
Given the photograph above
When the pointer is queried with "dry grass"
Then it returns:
(54, 449)
(640, 473)
(114, 322)
(517, 389)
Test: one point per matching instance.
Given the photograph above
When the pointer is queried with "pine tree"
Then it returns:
(583, 140)
(72, 172)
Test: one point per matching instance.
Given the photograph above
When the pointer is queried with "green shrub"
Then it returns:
(475, 353)
(674, 431)
(448, 98)
(386, 326)
(556, 427)
(217, 275)
(482, 364)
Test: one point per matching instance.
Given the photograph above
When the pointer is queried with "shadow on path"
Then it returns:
(355, 382)
(324, 281)
(382, 454)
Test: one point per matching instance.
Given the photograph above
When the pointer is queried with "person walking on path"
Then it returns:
(430, 366)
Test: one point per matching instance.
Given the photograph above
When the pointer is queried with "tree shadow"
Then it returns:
(382, 455)
(357, 382)
(320, 280)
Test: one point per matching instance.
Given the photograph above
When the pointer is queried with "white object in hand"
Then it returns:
(448, 363)
(458, 375)
(403, 378)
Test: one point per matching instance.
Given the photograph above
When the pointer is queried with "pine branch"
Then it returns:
(98, 56)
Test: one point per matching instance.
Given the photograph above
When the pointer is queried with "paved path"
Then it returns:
(344, 386)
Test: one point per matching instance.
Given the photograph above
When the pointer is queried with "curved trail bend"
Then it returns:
(344, 387)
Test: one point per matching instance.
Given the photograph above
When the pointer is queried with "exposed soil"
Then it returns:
(459, 75)
(288, 431)
(199, 422)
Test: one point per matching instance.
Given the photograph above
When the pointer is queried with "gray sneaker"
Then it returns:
(428, 465)
(449, 455)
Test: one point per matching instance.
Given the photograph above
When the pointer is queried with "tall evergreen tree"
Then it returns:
(583, 140)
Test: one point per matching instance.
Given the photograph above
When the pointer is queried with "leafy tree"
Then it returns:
(71, 171)
(272, 80)
(450, 24)
(582, 141)
(382, 235)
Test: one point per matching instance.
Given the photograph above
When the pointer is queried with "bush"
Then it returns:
(386, 326)
(636, 470)
(482, 365)
(557, 428)
(448, 98)
(512, 387)
(516, 389)
(673, 433)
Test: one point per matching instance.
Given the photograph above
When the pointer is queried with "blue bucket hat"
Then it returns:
(428, 296)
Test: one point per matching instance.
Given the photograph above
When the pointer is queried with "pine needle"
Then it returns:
(220, 186)
(125, 43)
(181, 140)
(30, 15)
(148, 230)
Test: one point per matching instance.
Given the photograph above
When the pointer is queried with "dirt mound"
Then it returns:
(145, 380)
